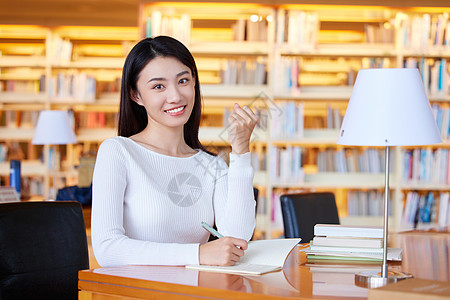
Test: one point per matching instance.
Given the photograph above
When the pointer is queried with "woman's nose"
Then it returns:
(173, 94)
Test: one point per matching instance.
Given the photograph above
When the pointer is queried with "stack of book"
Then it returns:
(349, 243)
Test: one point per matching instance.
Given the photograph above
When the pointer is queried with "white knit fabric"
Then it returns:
(147, 207)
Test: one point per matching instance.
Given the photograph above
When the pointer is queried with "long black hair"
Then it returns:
(132, 116)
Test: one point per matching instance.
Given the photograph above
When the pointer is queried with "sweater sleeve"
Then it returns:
(234, 202)
(110, 244)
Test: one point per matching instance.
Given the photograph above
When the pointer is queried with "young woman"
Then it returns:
(155, 183)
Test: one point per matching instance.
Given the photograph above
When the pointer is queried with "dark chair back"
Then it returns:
(43, 245)
(256, 194)
(302, 211)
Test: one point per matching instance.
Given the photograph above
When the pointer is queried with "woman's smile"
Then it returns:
(176, 111)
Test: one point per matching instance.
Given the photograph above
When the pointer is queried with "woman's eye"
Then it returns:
(158, 86)
(184, 80)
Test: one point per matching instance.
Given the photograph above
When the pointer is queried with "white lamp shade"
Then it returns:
(388, 107)
(53, 128)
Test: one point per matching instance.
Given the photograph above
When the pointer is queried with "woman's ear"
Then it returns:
(134, 95)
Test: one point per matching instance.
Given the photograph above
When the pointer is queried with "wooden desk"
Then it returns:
(424, 255)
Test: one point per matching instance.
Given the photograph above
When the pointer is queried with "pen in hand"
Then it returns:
(218, 252)
(212, 230)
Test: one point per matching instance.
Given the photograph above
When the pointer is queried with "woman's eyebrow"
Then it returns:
(156, 79)
(182, 73)
(162, 78)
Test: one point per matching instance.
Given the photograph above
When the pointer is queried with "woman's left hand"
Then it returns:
(241, 124)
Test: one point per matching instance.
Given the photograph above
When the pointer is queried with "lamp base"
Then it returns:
(373, 279)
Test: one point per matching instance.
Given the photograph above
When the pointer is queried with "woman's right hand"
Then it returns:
(225, 251)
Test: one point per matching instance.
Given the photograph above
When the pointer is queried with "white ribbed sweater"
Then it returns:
(147, 208)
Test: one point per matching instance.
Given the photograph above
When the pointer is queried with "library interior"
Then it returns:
(293, 62)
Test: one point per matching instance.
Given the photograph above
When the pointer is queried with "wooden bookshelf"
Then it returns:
(343, 39)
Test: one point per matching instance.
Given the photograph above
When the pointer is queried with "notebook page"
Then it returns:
(268, 252)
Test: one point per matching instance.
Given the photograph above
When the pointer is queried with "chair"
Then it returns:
(302, 211)
(43, 245)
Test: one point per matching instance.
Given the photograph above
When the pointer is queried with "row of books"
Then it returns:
(351, 160)
(21, 86)
(435, 74)
(259, 161)
(291, 73)
(359, 203)
(330, 160)
(424, 211)
(380, 33)
(95, 119)
(442, 116)
(301, 28)
(58, 50)
(3, 152)
(334, 118)
(30, 186)
(287, 120)
(425, 165)
(366, 203)
(286, 74)
(25, 119)
(177, 27)
(420, 32)
(287, 165)
(74, 86)
(243, 72)
(296, 27)
(251, 30)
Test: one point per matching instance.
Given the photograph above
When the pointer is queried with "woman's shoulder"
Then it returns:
(117, 140)
(116, 143)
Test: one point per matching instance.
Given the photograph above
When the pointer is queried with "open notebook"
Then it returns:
(262, 256)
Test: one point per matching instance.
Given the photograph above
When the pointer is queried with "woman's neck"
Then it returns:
(167, 142)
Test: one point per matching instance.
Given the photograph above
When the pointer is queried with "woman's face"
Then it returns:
(166, 90)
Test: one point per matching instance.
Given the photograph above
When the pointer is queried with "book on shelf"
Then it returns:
(365, 203)
(348, 160)
(444, 210)
(434, 76)
(426, 166)
(433, 33)
(424, 211)
(262, 256)
(348, 231)
(287, 166)
(347, 242)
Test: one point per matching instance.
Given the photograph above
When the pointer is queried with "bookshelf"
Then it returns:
(73, 68)
(314, 69)
(267, 65)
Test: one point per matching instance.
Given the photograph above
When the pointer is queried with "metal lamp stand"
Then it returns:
(374, 279)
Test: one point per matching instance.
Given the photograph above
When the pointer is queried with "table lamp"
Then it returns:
(53, 128)
(388, 107)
